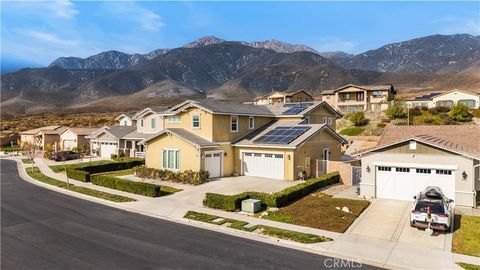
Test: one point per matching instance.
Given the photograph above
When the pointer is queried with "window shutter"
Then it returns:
(164, 159)
(177, 160)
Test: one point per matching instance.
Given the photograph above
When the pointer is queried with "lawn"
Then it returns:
(468, 266)
(352, 131)
(36, 174)
(26, 161)
(117, 173)
(305, 238)
(466, 235)
(318, 210)
(420, 119)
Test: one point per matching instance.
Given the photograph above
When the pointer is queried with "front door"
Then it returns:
(213, 164)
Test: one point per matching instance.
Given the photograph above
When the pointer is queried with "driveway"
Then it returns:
(390, 220)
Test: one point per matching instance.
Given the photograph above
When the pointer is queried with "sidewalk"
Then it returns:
(372, 251)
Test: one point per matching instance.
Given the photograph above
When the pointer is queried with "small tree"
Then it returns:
(396, 112)
(460, 112)
(30, 150)
(47, 151)
(358, 119)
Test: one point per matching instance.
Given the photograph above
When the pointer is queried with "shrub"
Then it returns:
(386, 120)
(354, 131)
(428, 120)
(415, 111)
(443, 108)
(277, 199)
(433, 111)
(424, 108)
(396, 112)
(78, 175)
(381, 125)
(448, 121)
(358, 118)
(460, 112)
(185, 177)
(476, 113)
(82, 173)
(113, 156)
(140, 188)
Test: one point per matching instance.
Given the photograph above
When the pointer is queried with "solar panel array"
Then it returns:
(426, 97)
(282, 135)
(295, 108)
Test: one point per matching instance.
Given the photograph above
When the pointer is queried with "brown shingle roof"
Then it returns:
(462, 139)
(367, 87)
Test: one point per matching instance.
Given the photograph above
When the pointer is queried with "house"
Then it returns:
(276, 141)
(277, 97)
(73, 137)
(407, 159)
(43, 136)
(126, 119)
(448, 99)
(353, 98)
(108, 141)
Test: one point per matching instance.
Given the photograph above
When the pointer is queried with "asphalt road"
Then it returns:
(43, 229)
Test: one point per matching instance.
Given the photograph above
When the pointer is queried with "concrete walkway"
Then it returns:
(375, 251)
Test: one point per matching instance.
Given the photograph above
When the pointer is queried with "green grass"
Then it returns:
(466, 235)
(60, 168)
(26, 161)
(265, 230)
(352, 131)
(318, 210)
(420, 119)
(36, 174)
(468, 266)
(117, 173)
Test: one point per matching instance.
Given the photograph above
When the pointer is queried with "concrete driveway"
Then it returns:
(390, 220)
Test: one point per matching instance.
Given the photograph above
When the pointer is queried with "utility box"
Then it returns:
(251, 206)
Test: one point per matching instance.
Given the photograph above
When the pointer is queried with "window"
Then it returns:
(385, 169)
(257, 155)
(377, 94)
(325, 120)
(234, 123)
(347, 96)
(248, 154)
(413, 145)
(425, 171)
(360, 96)
(268, 155)
(278, 156)
(402, 169)
(125, 122)
(171, 159)
(444, 172)
(141, 122)
(251, 122)
(195, 121)
(174, 119)
(153, 123)
(330, 120)
(468, 102)
(305, 121)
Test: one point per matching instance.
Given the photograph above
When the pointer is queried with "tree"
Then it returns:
(460, 112)
(358, 119)
(48, 150)
(30, 150)
(396, 112)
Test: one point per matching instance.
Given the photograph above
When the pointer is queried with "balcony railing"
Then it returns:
(139, 154)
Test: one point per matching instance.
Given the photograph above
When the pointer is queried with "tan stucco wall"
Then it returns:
(317, 115)
(299, 97)
(27, 138)
(68, 135)
(106, 137)
(221, 127)
(125, 121)
(463, 188)
(147, 123)
(205, 130)
(189, 155)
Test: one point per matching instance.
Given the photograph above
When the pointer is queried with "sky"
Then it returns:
(35, 33)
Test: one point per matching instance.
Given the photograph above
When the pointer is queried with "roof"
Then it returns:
(426, 96)
(136, 135)
(81, 131)
(116, 131)
(367, 87)
(185, 135)
(129, 115)
(221, 107)
(456, 90)
(157, 110)
(36, 130)
(285, 93)
(249, 139)
(461, 139)
(56, 131)
(279, 109)
(328, 92)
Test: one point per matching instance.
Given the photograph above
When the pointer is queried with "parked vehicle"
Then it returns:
(64, 155)
(432, 207)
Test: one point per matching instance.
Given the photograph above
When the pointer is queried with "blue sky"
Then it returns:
(35, 33)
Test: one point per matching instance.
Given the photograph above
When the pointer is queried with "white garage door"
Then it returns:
(68, 144)
(107, 149)
(269, 165)
(213, 164)
(402, 183)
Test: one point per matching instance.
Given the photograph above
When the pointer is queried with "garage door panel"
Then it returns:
(107, 149)
(269, 165)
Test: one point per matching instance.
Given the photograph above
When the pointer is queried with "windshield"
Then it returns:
(435, 207)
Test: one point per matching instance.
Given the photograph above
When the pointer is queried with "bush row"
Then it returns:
(83, 173)
(140, 188)
(277, 199)
(184, 177)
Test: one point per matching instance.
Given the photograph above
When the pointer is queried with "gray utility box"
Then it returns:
(251, 206)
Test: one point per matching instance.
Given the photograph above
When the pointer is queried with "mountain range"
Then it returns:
(236, 70)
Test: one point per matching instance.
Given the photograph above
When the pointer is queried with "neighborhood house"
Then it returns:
(448, 99)
(277, 97)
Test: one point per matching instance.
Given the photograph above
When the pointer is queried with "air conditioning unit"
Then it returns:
(251, 206)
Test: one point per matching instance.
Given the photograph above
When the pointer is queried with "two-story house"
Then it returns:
(277, 97)
(353, 98)
(277, 141)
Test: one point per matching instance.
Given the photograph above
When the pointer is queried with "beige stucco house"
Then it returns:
(73, 137)
(43, 136)
(126, 119)
(274, 141)
(277, 97)
(352, 98)
(448, 99)
(407, 159)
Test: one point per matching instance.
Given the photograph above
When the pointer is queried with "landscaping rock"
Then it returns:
(273, 209)
(338, 208)
(264, 213)
(345, 209)
(218, 220)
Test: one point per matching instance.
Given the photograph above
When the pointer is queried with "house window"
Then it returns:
(234, 123)
(141, 122)
(195, 121)
(174, 119)
(153, 123)
(360, 96)
(384, 169)
(468, 102)
(347, 96)
(444, 172)
(402, 169)
(325, 120)
(171, 159)
(125, 122)
(251, 122)
(425, 171)
(413, 145)
(377, 94)
(330, 120)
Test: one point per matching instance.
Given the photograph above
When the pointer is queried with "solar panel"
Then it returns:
(295, 108)
(282, 135)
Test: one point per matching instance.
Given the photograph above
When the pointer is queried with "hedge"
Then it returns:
(83, 173)
(277, 199)
(139, 188)
(184, 177)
